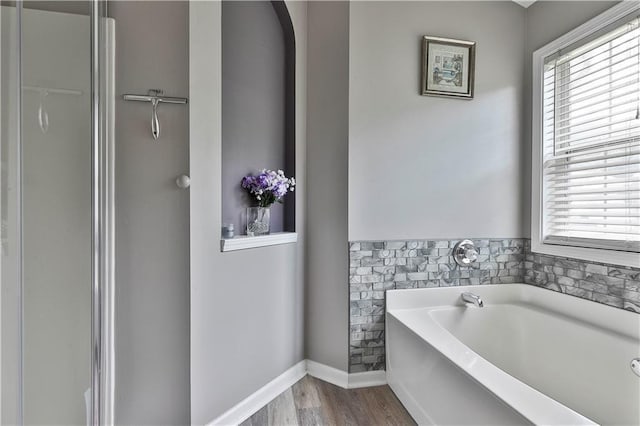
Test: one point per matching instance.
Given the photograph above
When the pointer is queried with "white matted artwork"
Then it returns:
(448, 67)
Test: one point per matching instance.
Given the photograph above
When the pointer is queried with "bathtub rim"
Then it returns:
(617, 320)
(405, 306)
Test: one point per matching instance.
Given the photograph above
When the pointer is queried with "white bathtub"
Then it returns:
(530, 355)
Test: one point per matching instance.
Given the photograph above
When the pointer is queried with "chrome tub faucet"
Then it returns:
(472, 298)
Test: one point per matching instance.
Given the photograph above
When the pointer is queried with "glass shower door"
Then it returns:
(56, 192)
(56, 215)
(10, 248)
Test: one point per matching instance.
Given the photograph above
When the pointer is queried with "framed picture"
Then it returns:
(448, 67)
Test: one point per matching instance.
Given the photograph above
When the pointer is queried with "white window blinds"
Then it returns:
(591, 142)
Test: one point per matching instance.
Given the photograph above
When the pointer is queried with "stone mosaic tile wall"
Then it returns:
(383, 265)
(612, 285)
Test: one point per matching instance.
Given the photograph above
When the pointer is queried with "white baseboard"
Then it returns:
(367, 378)
(254, 402)
(344, 379)
(328, 374)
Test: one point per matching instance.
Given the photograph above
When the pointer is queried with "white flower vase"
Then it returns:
(258, 221)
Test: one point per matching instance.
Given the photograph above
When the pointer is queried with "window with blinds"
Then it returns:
(591, 141)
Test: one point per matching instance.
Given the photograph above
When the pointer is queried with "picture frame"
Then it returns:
(448, 67)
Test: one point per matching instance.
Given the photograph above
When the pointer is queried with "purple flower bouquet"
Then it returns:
(268, 187)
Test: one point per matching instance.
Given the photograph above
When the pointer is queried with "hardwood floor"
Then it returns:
(314, 402)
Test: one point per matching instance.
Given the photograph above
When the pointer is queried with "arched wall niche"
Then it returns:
(258, 104)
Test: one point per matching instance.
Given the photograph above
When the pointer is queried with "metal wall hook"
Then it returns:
(155, 97)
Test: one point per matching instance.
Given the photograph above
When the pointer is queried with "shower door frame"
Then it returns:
(102, 214)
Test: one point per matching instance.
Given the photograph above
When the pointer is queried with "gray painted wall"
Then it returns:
(545, 22)
(327, 165)
(427, 167)
(404, 148)
(152, 216)
(548, 20)
(253, 104)
(247, 306)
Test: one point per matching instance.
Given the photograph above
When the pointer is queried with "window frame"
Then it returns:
(589, 29)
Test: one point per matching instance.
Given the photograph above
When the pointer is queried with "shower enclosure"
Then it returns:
(56, 213)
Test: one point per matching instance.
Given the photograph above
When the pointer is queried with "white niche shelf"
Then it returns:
(243, 242)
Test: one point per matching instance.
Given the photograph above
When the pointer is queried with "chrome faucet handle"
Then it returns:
(471, 254)
(465, 253)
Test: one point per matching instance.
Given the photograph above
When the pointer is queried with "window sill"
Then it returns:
(611, 257)
(243, 242)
